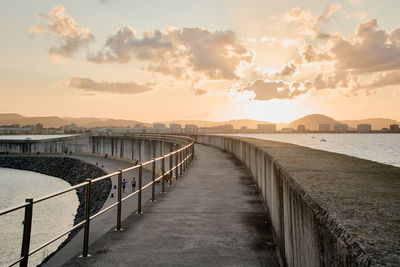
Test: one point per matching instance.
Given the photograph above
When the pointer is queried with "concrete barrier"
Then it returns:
(327, 209)
(133, 148)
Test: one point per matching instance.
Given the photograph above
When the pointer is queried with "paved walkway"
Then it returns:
(212, 216)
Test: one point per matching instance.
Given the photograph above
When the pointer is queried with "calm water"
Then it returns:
(383, 148)
(34, 136)
(50, 218)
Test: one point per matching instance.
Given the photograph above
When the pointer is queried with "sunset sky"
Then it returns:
(212, 60)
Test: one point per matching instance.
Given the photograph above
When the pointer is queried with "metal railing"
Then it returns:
(183, 156)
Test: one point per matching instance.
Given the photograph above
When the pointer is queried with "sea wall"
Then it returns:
(138, 148)
(327, 209)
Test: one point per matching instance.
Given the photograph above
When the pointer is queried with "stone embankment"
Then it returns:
(73, 171)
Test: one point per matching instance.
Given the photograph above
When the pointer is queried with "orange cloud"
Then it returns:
(87, 84)
(64, 29)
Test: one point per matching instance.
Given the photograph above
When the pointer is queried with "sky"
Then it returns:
(211, 60)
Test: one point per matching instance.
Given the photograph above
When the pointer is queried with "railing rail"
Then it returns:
(183, 156)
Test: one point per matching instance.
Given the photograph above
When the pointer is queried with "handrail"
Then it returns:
(13, 208)
(60, 192)
(185, 155)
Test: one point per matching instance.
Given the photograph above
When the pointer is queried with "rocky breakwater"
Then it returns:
(73, 171)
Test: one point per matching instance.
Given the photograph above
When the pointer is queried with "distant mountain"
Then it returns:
(56, 122)
(313, 121)
(10, 116)
(46, 121)
(376, 123)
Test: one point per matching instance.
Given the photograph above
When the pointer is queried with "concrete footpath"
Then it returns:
(212, 216)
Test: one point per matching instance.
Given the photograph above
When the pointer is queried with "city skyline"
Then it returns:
(177, 60)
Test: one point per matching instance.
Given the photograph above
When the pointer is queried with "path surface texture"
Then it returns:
(212, 216)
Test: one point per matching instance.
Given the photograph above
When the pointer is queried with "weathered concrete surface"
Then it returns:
(211, 216)
(135, 147)
(327, 209)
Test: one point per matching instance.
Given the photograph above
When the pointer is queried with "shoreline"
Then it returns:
(71, 170)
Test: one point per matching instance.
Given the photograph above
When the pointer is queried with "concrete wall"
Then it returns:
(125, 147)
(327, 209)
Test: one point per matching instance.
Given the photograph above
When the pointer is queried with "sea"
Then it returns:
(382, 148)
(50, 217)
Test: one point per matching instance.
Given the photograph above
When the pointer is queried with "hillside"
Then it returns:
(46, 121)
(313, 121)
(376, 123)
(56, 122)
(10, 116)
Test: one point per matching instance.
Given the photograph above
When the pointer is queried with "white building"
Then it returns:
(324, 127)
(364, 128)
(191, 128)
(341, 128)
(175, 128)
(266, 128)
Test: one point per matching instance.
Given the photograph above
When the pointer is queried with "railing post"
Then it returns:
(184, 159)
(87, 219)
(176, 165)
(170, 169)
(192, 151)
(119, 206)
(139, 210)
(26, 238)
(163, 175)
(181, 161)
(153, 177)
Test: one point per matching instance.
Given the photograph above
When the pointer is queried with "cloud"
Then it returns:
(288, 42)
(305, 22)
(331, 80)
(278, 89)
(310, 54)
(329, 11)
(386, 79)
(215, 55)
(371, 50)
(68, 37)
(87, 84)
(200, 92)
(288, 69)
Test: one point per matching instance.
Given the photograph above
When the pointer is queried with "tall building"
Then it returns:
(227, 128)
(394, 128)
(175, 128)
(301, 128)
(139, 126)
(341, 128)
(324, 127)
(266, 128)
(287, 130)
(364, 128)
(160, 126)
(191, 128)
